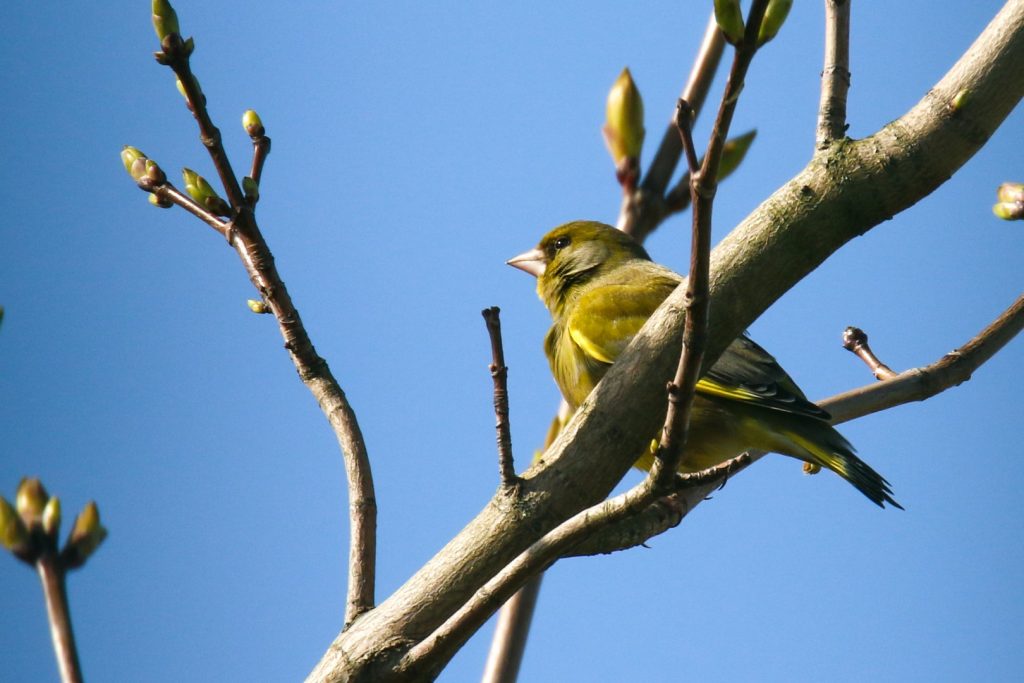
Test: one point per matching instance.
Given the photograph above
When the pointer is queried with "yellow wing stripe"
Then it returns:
(710, 386)
(589, 347)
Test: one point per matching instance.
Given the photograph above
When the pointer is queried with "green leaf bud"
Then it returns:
(733, 152)
(158, 202)
(960, 100)
(252, 124)
(203, 193)
(12, 529)
(134, 162)
(165, 19)
(1010, 192)
(729, 19)
(251, 189)
(51, 517)
(624, 119)
(31, 501)
(259, 307)
(86, 536)
(774, 16)
(1009, 211)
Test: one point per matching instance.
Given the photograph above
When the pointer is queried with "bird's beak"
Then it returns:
(533, 262)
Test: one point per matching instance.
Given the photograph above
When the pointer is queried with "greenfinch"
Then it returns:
(600, 286)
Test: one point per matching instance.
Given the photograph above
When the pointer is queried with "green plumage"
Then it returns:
(601, 287)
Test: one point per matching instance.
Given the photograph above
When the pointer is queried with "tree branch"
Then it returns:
(499, 373)
(644, 209)
(243, 234)
(856, 342)
(835, 76)
(844, 192)
(916, 384)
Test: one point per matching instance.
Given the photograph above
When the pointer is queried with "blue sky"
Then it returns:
(416, 147)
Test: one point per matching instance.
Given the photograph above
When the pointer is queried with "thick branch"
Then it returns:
(844, 192)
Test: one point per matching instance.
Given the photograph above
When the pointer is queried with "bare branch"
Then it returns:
(437, 648)
(918, 384)
(499, 373)
(510, 634)
(244, 235)
(703, 185)
(835, 76)
(52, 575)
(170, 193)
(855, 340)
(709, 55)
(643, 210)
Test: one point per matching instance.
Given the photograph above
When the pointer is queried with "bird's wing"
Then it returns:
(746, 372)
(606, 318)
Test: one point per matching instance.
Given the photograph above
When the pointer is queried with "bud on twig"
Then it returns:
(13, 532)
(251, 189)
(31, 501)
(252, 124)
(774, 16)
(158, 202)
(1011, 202)
(624, 120)
(181, 89)
(51, 517)
(203, 193)
(259, 307)
(143, 170)
(86, 536)
(733, 152)
(729, 19)
(165, 19)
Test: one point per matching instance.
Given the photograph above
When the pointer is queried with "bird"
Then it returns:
(600, 286)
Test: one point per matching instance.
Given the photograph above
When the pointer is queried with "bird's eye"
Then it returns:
(562, 242)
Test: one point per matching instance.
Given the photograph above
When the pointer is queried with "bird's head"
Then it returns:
(573, 254)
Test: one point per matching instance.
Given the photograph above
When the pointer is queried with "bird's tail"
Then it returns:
(817, 442)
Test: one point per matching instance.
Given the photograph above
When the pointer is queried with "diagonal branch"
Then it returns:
(844, 192)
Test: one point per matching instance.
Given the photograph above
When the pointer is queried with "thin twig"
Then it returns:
(499, 373)
(918, 384)
(177, 58)
(709, 55)
(260, 150)
(646, 208)
(52, 575)
(244, 235)
(855, 340)
(835, 76)
(170, 193)
(703, 185)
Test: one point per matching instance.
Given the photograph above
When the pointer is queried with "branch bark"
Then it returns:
(835, 75)
(845, 191)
